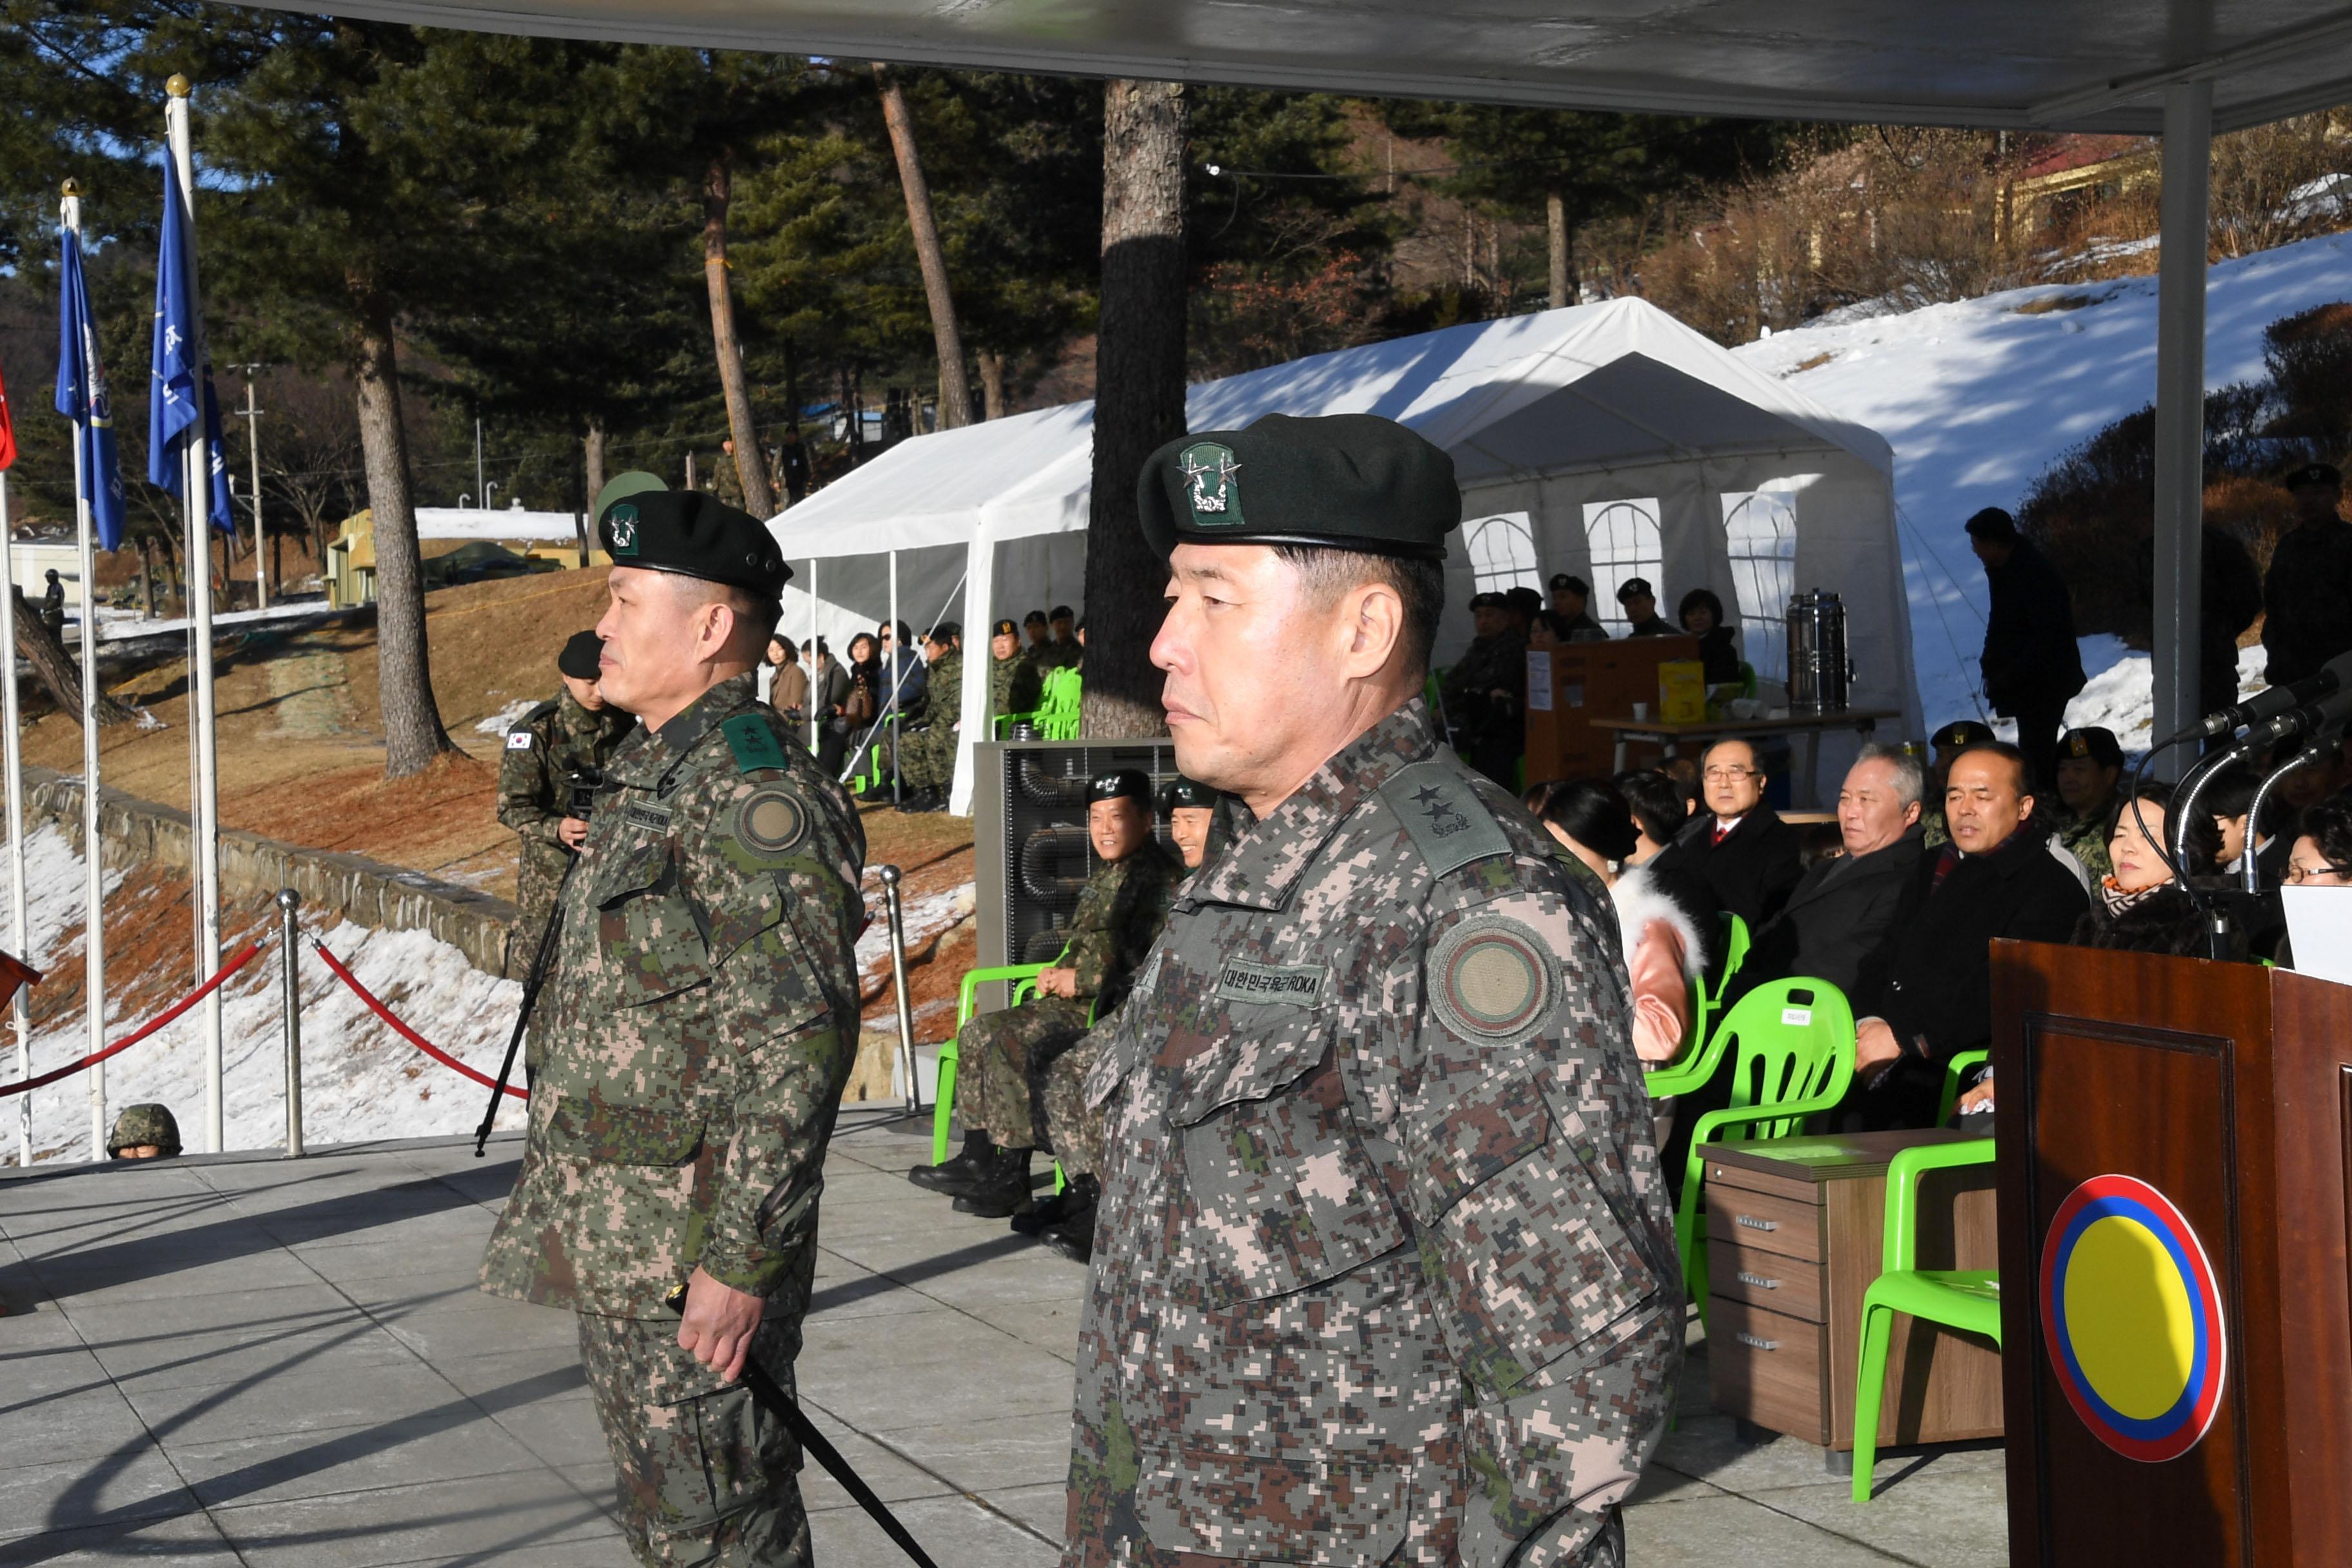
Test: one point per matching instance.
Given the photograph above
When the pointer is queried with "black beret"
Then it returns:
(1571, 582)
(2313, 475)
(2095, 743)
(1033, 619)
(1063, 612)
(1126, 783)
(1524, 599)
(1631, 587)
(1992, 523)
(582, 657)
(1004, 628)
(694, 534)
(1181, 793)
(1960, 732)
(1485, 601)
(1343, 482)
(944, 633)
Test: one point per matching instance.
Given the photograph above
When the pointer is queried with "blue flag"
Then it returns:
(174, 401)
(82, 395)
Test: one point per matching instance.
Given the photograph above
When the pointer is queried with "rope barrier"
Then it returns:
(411, 1036)
(243, 955)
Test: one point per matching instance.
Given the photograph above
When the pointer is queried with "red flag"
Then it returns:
(8, 436)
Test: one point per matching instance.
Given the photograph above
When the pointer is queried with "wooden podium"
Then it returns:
(2175, 1145)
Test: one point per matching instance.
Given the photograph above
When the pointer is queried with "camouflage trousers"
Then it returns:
(1073, 1130)
(540, 874)
(927, 757)
(1000, 1059)
(707, 1477)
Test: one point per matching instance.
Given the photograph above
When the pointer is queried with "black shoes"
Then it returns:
(979, 1154)
(997, 1189)
(1070, 1229)
(1607, 1550)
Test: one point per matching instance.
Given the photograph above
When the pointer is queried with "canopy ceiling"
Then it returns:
(2084, 65)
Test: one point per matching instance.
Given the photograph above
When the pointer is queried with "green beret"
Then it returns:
(144, 1123)
(695, 535)
(1124, 784)
(1182, 793)
(622, 486)
(1343, 482)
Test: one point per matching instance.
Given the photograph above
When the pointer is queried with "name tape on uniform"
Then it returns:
(653, 817)
(1298, 983)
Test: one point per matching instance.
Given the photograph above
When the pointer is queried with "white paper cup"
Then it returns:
(1640, 711)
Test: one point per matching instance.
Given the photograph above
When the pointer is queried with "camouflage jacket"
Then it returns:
(1014, 686)
(1384, 1271)
(2085, 838)
(1496, 663)
(943, 691)
(1120, 916)
(697, 1027)
(547, 746)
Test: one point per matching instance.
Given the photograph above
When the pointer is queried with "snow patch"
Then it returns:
(506, 718)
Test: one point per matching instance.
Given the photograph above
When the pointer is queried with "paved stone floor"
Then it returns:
(273, 1362)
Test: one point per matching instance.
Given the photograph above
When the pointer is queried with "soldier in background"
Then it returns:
(1483, 690)
(1640, 603)
(1004, 1056)
(927, 755)
(53, 602)
(2090, 767)
(701, 1020)
(1064, 651)
(143, 1131)
(548, 776)
(1384, 1271)
(1041, 640)
(1014, 685)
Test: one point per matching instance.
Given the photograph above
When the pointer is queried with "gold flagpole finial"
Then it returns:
(178, 86)
(71, 189)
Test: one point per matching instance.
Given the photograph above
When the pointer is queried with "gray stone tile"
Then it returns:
(79, 1225)
(390, 1230)
(440, 1336)
(941, 1366)
(951, 1528)
(280, 1467)
(114, 1326)
(125, 1277)
(517, 1375)
(1050, 1326)
(1044, 1508)
(67, 1494)
(843, 1290)
(392, 1296)
(1009, 1451)
(894, 1481)
(35, 1374)
(85, 1424)
(1731, 1530)
(185, 1540)
(1954, 1518)
(1707, 1449)
(426, 1262)
(604, 1552)
(1024, 1280)
(264, 1353)
(317, 1394)
(477, 1519)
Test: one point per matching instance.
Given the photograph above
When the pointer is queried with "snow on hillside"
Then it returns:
(1978, 398)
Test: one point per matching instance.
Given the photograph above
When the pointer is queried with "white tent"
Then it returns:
(1607, 440)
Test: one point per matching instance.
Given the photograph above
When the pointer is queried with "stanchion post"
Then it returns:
(899, 984)
(289, 946)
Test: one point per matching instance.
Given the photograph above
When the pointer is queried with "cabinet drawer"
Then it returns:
(1760, 1278)
(1762, 1221)
(1767, 1366)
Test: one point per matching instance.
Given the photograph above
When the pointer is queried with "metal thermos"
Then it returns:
(1820, 676)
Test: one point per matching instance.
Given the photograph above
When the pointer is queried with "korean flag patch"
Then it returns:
(518, 740)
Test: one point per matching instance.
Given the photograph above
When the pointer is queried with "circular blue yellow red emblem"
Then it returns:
(2133, 1318)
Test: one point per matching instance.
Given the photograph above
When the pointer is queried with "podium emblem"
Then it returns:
(2132, 1318)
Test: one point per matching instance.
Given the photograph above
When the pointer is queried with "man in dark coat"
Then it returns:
(1571, 599)
(2227, 602)
(1737, 846)
(1843, 912)
(2032, 665)
(2309, 589)
(1929, 996)
(1640, 603)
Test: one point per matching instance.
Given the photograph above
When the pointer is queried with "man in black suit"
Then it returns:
(1737, 846)
(1929, 995)
(1844, 910)
(2032, 665)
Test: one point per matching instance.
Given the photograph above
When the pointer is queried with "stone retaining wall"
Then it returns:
(134, 831)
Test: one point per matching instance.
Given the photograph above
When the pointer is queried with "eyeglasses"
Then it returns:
(1730, 775)
(2298, 873)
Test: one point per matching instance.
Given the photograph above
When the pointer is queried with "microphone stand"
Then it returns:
(2251, 874)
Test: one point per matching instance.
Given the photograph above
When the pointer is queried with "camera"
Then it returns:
(582, 784)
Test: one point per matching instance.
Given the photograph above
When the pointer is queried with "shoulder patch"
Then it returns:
(1492, 978)
(519, 739)
(1449, 825)
(754, 744)
(771, 821)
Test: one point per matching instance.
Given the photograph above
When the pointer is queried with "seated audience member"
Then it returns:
(2230, 797)
(1005, 1055)
(1571, 601)
(1640, 603)
(1191, 818)
(145, 1131)
(1736, 845)
(2322, 856)
(1548, 631)
(2324, 775)
(2090, 766)
(1683, 770)
(1945, 744)
(1659, 925)
(1701, 614)
(1660, 808)
(1040, 632)
(1926, 994)
(1843, 912)
(1483, 690)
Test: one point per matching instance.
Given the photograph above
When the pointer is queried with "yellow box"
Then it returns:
(1682, 692)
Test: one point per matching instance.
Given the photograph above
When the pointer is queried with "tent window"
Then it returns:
(1503, 553)
(1623, 536)
(1759, 531)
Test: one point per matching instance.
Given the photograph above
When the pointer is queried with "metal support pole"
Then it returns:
(816, 675)
(291, 950)
(19, 939)
(899, 986)
(890, 713)
(253, 450)
(2180, 403)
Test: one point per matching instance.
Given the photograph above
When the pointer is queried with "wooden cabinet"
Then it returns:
(1794, 1226)
(1568, 687)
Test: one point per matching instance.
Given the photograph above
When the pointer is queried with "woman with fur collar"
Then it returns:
(1658, 926)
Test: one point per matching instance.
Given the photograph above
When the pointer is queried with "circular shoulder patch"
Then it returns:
(1492, 978)
(771, 821)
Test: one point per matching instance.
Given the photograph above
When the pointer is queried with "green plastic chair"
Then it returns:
(1056, 717)
(1734, 954)
(1964, 1299)
(1702, 1049)
(1791, 1046)
(1023, 977)
(1953, 1071)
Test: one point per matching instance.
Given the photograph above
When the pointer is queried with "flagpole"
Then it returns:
(13, 764)
(93, 887)
(205, 809)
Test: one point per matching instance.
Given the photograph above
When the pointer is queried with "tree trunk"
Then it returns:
(955, 388)
(1139, 396)
(592, 451)
(412, 735)
(991, 385)
(147, 576)
(1563, 283)
(758, 494)
(55, 667)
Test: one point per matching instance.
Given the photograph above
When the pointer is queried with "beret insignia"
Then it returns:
(1492, 978)
(1215, 497)
(622, 519)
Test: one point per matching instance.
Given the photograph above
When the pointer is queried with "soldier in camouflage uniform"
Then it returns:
(143, 1131)
(1003, 1058)
(1384, 1271)
(701, 1020)
(2089, 768)
(1013, 684)
(927, 755)
(1483, 690)
(554, 757)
